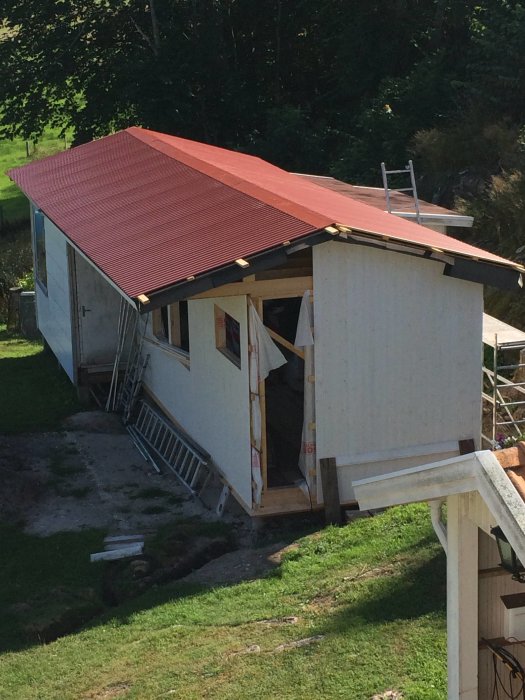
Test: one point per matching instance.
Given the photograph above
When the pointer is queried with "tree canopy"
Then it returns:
(325, 87)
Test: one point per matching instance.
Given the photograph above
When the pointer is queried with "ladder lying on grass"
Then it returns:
(164, 442)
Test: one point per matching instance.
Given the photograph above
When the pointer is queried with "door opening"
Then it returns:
(284, 397)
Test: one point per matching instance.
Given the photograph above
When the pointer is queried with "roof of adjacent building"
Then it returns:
(152, 211)
(512, 459)
(401, 204)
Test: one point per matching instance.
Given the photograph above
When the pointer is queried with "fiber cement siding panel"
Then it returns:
(54, 309)
(98, 315)
(211, 399)
(398, 353)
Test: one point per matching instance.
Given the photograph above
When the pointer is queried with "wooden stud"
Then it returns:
(332, 504)
(258, 303)
(271, 289)
(241, 262)
(143, 299)
(466, 446)
(331, 229)
(174, 319)
(285, 343)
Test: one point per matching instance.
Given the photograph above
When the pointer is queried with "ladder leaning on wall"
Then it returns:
(123, 392)
(407, 170)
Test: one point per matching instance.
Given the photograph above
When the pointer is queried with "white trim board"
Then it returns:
(397, 453)
(479, 471)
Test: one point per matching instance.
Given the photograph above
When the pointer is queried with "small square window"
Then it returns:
(228, 336)
(39, 234)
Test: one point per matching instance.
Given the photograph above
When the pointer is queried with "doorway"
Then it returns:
(284, 390)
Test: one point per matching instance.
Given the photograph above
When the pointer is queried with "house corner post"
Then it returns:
(462, 601)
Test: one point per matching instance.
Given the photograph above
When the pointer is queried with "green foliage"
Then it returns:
(27, 282)
(16, 260)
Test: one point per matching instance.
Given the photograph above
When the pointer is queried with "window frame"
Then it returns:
(39, 250)
(223, 335)
(170, 328)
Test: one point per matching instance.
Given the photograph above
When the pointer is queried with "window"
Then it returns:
(39, 234)
(170, 324)
(228, 336)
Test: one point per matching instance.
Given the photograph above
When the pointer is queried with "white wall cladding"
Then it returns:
(397, 354)
(98, 323)
(210, 399)
(54, 309)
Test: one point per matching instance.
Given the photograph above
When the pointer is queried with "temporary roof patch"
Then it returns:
(401, 203)
(152, 210)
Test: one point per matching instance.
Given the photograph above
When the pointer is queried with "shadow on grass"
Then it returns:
(36, 392)
(418, 589)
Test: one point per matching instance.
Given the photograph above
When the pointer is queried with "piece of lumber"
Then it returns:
(132, 550)
(285, 343)
(466, 446)
(332, 503)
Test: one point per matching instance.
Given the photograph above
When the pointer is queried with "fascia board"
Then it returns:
(423, 483)
(503, 501)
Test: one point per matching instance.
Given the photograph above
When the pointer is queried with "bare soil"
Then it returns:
(90, 475)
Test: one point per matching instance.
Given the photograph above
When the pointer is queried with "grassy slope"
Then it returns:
(35, 393)
(12, 154)
(375, 590)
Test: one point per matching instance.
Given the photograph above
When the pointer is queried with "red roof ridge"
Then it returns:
(292, 189)
(226, 176)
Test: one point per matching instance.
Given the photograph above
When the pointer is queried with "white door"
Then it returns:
(98, 312)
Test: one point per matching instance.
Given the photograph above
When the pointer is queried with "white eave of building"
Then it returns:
(479, 471)
(437, 219)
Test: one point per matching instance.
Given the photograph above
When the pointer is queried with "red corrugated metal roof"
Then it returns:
(151, 210)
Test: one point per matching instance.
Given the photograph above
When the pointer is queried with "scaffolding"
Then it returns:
(504, 394)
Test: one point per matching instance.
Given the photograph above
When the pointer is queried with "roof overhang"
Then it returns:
(426, 219)
(506, 277)
(479, 471)
(507, 336)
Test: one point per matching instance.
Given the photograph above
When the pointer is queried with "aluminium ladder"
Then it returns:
(190, 464)
(407, 170)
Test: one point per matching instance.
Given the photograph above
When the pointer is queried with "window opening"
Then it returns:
(170, 324)
(40, 248)
(228, 336)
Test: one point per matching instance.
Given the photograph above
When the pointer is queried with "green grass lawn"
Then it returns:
(12, 154)
(35, 392)
(373, 593)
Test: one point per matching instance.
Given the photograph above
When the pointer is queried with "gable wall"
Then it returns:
(54, 308)
(397, 356)
(210, 400)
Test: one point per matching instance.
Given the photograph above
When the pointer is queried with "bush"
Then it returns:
(16, 262)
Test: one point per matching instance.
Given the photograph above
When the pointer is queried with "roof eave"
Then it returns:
(439, 219)
(231, 273)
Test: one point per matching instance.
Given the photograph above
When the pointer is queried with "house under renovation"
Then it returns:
(269, 321)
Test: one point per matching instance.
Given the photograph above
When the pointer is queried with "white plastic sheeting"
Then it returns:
(304, 338)
(264, 357)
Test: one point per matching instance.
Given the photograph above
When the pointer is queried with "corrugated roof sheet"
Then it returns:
(151, 210)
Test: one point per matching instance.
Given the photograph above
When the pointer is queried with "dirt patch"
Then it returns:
(244, 564)
(91, 476)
